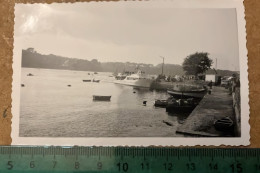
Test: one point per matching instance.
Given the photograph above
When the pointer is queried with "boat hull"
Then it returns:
(86, 80)
(182, 94)
(143, 83)
(224, 124)
(101, 98)
(181, 105)
(161, 103)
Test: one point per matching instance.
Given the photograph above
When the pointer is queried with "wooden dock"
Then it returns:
(211, 108)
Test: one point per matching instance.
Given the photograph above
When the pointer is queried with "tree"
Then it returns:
(196, 63)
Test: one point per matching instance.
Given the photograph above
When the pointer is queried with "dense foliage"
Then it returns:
(197, 63)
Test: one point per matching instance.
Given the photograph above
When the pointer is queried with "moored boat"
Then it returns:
(86, 80)
(181, 105)
(224, 124)
(30, 74)
(138, 79)
(122, 76)
(196, 93)
(161, 103)
(101, 98)
(97, 81)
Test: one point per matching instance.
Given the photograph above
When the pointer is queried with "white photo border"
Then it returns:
(150, 141)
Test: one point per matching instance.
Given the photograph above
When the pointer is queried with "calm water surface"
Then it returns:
(49, 108)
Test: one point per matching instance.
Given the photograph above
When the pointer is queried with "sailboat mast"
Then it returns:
(162, 64)
(216, 63)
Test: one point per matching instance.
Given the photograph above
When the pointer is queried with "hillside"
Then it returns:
(32, 59)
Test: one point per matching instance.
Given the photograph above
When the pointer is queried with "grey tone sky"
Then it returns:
(125, 32)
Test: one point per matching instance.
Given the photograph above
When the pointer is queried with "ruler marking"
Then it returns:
(21, 152)
(148, 154)
(9, 151)
(144, 155)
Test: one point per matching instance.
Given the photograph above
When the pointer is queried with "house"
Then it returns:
(212, 75)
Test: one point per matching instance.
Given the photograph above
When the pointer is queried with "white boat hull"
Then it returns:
(143, 83)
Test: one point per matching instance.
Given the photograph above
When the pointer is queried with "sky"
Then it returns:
(127, 32)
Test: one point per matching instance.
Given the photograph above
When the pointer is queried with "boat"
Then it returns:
(97, 81)
(195, 93)
(181, 105)
(161, 103)
(30, 74)
(86, 80)
(224, 124)
(101, 98)
(122, 76)
(138, 79)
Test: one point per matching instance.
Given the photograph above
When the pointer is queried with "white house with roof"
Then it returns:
(212, 75)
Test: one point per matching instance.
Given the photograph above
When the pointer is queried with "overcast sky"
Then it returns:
(125, 32)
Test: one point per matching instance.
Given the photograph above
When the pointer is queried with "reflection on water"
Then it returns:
(49, 108)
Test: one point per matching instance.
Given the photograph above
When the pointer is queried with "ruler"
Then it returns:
(128, 160)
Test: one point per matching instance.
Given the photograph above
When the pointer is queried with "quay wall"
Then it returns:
(237, 110)
(214, 106)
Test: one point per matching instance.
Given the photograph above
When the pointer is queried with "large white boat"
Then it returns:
(139, 79)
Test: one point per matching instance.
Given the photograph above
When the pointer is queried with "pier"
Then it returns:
(214, 106)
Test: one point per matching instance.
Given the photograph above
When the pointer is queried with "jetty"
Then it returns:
(214, 106)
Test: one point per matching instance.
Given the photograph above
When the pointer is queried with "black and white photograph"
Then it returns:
(130, 73)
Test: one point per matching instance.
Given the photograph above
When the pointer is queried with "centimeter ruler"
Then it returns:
(128, 160)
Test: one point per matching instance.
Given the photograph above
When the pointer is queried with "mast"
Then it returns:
(216, 63)
(162, 64)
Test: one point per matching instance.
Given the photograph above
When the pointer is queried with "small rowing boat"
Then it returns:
(86, 80)
(97, 81)
(224, 124)
(161, 103)
(181, 105)
(101, 98)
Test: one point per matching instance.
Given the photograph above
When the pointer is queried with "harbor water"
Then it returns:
(51, 108)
